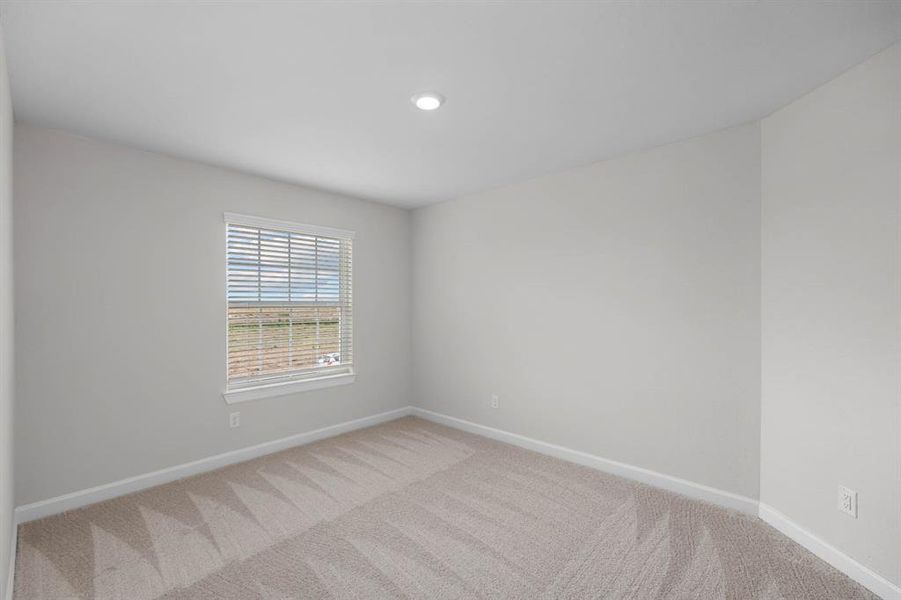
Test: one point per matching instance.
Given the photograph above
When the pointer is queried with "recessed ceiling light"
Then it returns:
(427, 100)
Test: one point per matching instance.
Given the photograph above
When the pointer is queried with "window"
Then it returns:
(290, 317)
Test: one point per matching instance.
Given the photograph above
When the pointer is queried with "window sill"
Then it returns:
(286, 387)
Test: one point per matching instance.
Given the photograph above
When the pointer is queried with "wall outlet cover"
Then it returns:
(847, 501)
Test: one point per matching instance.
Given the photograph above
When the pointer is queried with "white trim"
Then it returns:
(52, 506)
(866, 577)
(283, 388)
(847, 565)
(11, 574)
(673, 484)
(840, 561)
(276, 224)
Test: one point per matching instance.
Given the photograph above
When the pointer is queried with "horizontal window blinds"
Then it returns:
(290, 311)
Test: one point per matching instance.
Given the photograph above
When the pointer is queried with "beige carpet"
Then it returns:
(411, 509)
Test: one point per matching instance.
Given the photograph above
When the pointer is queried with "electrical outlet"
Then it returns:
(847, 501)
(234, 419)
(495, 401)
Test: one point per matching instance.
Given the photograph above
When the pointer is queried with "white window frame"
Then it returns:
(289, 385)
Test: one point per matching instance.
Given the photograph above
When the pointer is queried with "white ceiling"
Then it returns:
(318, 93)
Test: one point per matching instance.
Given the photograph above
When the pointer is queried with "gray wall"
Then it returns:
(6, 323)
(831, 302)
(614, 309)
(121, 311)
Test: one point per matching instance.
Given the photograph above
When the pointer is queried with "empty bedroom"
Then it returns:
(434, 300)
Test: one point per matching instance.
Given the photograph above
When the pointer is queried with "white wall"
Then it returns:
(614, 309)
(121, 311)
(7, 529)
(831, 305)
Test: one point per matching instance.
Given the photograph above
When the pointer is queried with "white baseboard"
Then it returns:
(11, 574)
(668, 482)
(873, 581)
(52, 506)
(856, 571)
(853, 569)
